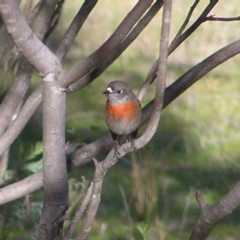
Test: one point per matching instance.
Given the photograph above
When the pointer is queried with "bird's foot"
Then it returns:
(116, 153)
(133, 145)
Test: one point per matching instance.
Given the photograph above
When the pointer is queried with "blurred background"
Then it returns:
(148, 194)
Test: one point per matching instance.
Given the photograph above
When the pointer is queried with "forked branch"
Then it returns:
(212, 214)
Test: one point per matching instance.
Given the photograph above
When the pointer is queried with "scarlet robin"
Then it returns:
(123, 113)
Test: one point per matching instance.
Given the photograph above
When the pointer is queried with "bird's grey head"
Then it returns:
(119, 91)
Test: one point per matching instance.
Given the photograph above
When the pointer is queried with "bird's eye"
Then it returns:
(119, 91)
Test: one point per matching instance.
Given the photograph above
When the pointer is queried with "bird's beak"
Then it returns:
(108, 91)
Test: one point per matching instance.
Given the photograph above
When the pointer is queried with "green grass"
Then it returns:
(196, 146)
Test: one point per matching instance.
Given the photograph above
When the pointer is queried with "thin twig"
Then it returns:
(180, 31)
(222, 19)
(194, 26)
(179, 38)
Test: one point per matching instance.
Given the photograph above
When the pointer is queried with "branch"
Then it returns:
(179, 38)
(55, 177)
(94, 149)
(73, 74)
(42, 14)
(161, 78)
(21, 188)
(174, 42)
(142, 23)
(18, 89)
(22, 119)
(26, 41)
(212, 214)
(222, 19)
(74, 28)
(15, 95)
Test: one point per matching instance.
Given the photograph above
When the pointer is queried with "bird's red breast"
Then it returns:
(124, 112)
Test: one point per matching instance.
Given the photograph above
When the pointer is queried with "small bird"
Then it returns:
(123, 113)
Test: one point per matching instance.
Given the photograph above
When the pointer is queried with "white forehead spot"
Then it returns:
(109, 89)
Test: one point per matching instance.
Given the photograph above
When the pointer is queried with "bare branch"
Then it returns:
(179, 38)
(23, 117)
(21, 188)
(16, 93)
(54, 19)
(55, 178)
(161, 78)
(180, 31)
(212, 214)
(42, 13)
(18, 89)
(74, 28)
(26, 41)
(195, 25)
(73, 74)
(143, 22)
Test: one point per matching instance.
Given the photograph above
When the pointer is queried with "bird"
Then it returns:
(123, 113)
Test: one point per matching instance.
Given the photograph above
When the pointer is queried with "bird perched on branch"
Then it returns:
(123, 113)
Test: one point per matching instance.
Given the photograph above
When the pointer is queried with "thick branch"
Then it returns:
(26, 41)
(55, 178)
(16, 93)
